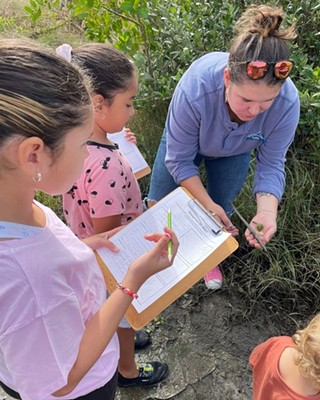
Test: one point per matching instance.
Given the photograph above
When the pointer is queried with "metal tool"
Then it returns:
(251, 230)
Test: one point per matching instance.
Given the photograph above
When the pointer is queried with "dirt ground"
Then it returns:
(207, 349)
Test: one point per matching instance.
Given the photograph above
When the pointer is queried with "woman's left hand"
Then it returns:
(265, 224)
(130, 136)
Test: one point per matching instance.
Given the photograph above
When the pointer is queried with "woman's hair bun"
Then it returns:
(263, 20)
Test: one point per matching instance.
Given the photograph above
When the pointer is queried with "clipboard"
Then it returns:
(223, 244)
(136, 160)
(143, 172)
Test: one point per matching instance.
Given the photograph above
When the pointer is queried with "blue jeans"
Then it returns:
(224, 176)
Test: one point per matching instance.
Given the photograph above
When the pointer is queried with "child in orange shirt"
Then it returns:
(288, 367)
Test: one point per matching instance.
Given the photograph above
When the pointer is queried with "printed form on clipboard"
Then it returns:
(136, 160)
(203, 245)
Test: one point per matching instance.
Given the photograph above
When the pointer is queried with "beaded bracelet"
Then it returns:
(127, 290)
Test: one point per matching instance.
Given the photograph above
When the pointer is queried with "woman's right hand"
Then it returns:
(153, 261)
(218, 212)
(195, 186)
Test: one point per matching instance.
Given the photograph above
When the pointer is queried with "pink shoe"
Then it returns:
(214, 278)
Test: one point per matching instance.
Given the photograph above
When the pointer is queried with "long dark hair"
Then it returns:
(41, 94)
(110, 70)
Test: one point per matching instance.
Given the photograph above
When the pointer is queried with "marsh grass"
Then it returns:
(53, 29)
(12, 18)
(286, 278)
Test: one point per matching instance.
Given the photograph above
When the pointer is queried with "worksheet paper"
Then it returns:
(193, 228)
(130, 150)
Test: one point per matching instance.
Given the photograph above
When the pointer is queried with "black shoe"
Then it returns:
(142, 339)
(150, 373)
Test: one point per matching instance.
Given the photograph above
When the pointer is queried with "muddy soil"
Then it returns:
(206, 347)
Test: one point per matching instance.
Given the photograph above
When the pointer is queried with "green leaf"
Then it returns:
(36, 15)
(82, 15)
(28, 9)
(143, 12)
(127, 6)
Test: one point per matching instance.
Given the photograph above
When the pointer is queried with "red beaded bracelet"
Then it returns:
(127, 290)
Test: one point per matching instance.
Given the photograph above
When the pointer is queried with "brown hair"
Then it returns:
(307, 343)
(40, 94)
(259, 36)
(110, 70)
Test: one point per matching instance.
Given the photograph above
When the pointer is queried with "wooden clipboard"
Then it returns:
(143, 172)
(135, 158)
(139, 319)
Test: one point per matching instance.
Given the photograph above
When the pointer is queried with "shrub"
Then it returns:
(165, 37)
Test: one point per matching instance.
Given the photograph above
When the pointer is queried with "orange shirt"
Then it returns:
(267, 381)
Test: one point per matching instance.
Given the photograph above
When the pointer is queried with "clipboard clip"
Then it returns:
(217, 226)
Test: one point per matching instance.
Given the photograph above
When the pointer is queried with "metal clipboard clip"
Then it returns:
(216, 226)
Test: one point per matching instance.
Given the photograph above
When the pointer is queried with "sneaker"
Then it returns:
(214, 278)
(150, 373)
(145, 205)
(142, 339)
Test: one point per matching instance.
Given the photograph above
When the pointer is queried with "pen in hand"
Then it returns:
(169, 223)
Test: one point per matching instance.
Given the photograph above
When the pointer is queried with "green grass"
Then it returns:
(13, 19)
(286, 279)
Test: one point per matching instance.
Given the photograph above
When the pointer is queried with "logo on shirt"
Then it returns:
(256, 136)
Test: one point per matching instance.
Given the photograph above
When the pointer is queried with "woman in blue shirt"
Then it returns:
(225, 106)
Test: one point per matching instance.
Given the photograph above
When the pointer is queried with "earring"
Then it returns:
(38, 177)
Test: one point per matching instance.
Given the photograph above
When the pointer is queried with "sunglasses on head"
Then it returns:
(258, 69)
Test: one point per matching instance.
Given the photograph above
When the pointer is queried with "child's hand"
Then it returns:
(101, 240)
(155, 260)
(130, 136)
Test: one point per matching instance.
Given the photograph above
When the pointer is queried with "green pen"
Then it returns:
(169, 223)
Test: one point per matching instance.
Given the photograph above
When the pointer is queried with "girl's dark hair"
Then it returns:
(40, 94)
(259, 36)
(110, 70)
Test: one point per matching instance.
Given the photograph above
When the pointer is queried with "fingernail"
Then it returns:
(167, 235)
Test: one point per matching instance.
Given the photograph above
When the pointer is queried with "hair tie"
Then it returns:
(64, 51)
